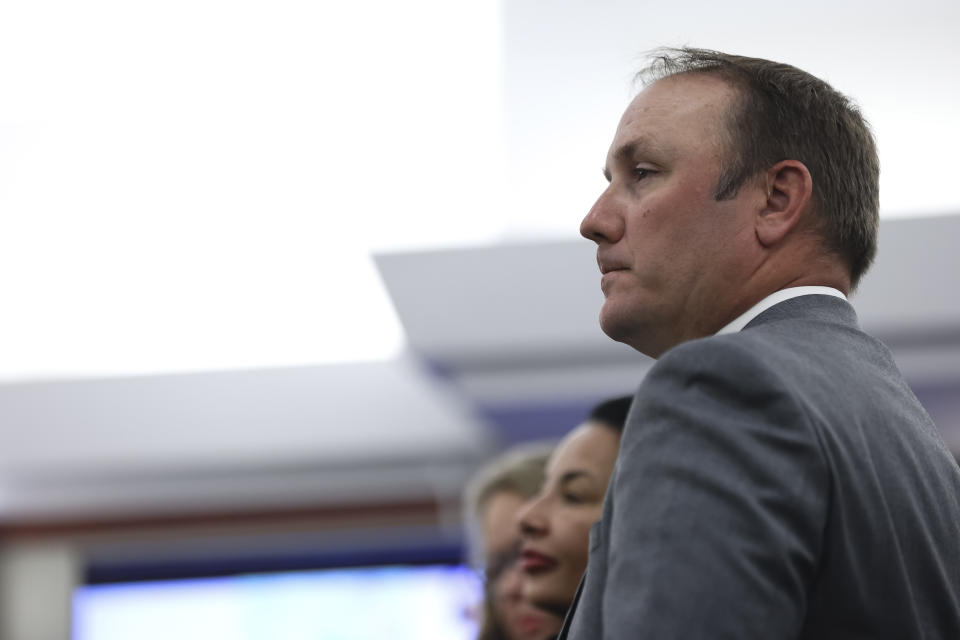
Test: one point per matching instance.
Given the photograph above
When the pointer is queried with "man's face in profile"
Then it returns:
(667, 249)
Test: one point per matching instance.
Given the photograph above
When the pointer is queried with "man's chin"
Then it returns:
(614, 323)
(630, 329)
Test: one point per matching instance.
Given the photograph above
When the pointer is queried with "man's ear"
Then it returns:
(789, 190)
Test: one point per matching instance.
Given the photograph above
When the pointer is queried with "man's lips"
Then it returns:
(534, 562)
(614, 270)
(607, 266)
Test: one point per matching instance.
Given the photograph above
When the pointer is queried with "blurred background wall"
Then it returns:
(278, 276)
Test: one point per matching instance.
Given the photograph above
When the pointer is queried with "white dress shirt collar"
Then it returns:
(776, 298)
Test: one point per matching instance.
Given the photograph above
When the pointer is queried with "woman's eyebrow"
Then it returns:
(570, 476)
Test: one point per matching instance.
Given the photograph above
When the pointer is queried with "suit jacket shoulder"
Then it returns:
(778, 482)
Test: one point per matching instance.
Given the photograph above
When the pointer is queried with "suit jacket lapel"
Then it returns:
(573, 607)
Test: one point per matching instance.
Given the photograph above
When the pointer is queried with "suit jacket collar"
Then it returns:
(809, 308)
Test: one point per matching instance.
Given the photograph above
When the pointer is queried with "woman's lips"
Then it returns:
(531, 623)
(534, 562)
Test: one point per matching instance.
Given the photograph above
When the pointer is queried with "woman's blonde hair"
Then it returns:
(519, 471)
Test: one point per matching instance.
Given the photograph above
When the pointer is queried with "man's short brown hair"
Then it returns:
(786, 113)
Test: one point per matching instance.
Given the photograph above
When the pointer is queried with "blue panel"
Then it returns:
(524, 423)
(398, 602)
(436, 553)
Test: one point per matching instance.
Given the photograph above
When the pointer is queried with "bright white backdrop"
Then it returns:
(198, 185)
(569, 75)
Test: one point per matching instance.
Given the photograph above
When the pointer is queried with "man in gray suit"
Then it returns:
(777, 478)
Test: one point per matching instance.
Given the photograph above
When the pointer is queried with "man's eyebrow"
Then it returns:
(626, 152)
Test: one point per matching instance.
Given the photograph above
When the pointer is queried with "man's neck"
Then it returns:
(820, 270)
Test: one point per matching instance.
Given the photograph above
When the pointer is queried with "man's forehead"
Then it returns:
(684, 91)
(689, 100)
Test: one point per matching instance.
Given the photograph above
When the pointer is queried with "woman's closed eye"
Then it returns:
(577, 487)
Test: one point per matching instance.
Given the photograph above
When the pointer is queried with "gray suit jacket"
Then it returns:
(781, 482)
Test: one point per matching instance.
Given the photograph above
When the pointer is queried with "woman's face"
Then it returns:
(556, 523)
(519, 619)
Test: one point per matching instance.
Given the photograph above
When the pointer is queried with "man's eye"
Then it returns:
(573, 498)
(639, 173)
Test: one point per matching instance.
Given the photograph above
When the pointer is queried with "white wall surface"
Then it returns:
(569, 69)
(535, 305)
(198, 185)
(36, 590)
(353, 432)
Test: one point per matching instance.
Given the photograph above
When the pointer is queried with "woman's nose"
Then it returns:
(531, 519)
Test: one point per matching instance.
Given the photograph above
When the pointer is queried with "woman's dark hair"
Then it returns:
(612, 413)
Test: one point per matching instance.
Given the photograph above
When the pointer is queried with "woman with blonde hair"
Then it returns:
(492, 502)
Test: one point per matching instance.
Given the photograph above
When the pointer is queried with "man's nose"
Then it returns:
(603, 223)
